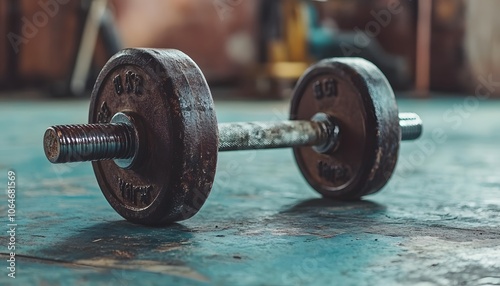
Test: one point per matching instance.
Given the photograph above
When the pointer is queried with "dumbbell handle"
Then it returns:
(281, 134)
(93, 142)
(269, 135)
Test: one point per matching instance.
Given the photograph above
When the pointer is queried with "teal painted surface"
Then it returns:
(436, 222)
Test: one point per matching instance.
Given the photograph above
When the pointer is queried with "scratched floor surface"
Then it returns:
(436, 222)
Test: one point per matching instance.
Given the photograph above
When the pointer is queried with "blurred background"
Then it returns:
(254, 48)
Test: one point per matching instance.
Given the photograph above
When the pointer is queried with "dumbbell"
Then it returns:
(153, 135)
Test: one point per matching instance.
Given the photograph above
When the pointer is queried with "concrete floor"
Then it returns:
(437, 222)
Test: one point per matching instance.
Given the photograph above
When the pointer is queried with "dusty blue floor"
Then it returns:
(436, 222)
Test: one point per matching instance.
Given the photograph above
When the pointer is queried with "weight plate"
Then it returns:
(168, 94)
(359, 97)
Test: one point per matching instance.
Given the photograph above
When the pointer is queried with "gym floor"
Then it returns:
(436, 222)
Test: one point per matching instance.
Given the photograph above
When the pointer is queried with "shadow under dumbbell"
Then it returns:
(324, 205)
(325, 217)
(117, 240)
(316, 203)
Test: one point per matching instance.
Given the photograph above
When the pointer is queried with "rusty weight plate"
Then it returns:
(166, 91)
(358, 95)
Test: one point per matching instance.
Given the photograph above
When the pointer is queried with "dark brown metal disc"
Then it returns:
(166, 91)
(359, 97)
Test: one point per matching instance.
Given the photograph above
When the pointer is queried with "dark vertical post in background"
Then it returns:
(422, 82)
(13, 25)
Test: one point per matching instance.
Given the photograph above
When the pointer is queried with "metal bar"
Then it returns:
(281, 134)
(92, 142)
(268, 135)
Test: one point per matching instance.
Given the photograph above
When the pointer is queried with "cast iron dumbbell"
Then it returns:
(153, 135)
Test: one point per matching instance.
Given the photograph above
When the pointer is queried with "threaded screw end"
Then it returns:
(411, 126)
(89, 142)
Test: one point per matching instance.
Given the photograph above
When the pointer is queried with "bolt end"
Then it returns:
(330, 128)
(51, 145)
(411, 126)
